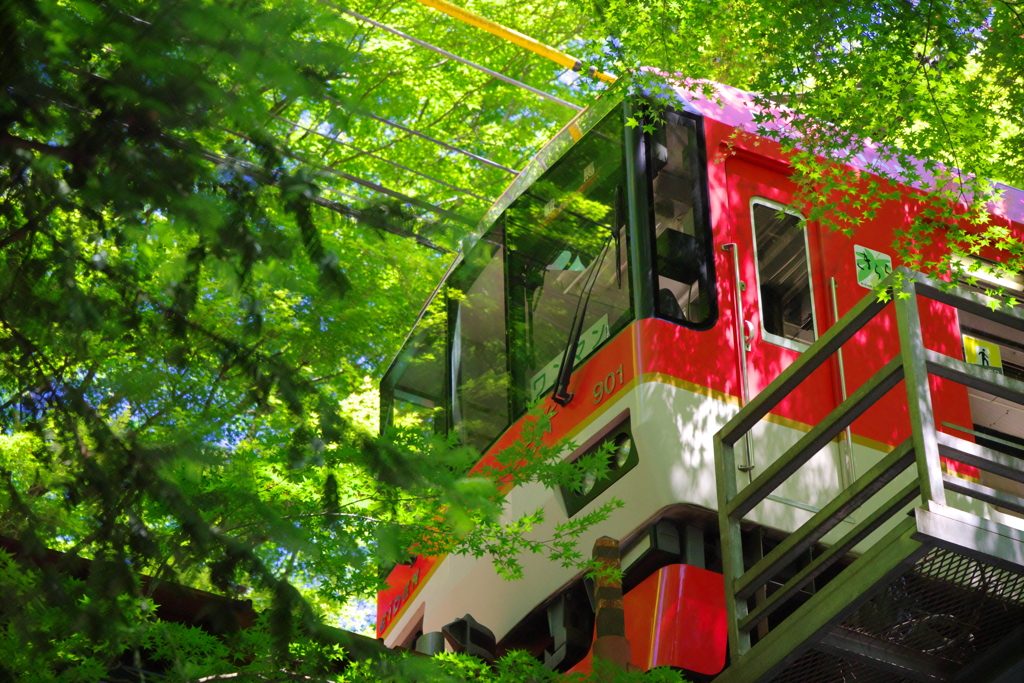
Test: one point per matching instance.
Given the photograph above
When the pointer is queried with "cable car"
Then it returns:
(644, 287)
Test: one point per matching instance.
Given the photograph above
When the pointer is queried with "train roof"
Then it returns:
(733, 107)
(737, 108)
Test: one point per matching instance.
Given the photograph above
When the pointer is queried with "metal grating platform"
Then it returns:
(818, 667)
(937, 622)
(948, 606)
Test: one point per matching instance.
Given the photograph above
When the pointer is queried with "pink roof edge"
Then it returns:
(737, 107)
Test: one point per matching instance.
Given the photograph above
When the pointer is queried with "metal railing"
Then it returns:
(920, 453)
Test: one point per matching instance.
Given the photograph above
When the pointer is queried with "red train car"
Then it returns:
(677, 264)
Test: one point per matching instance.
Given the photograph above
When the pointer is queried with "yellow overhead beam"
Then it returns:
(556, 56)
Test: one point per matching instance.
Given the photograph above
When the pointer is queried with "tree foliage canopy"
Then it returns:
(933, 85)
(213, 236)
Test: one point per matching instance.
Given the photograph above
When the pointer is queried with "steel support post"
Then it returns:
(732, 547)
(919, 395)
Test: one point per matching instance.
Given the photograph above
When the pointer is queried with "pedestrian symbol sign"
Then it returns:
(979, 352)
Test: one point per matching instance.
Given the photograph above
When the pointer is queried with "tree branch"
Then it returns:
(28, 226)
(66, 153)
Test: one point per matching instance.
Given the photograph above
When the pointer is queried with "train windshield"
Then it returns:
(492, 340)
(566, 239)
(684, 269)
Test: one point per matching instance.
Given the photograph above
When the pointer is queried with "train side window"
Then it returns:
(783, 275)
(684, 277)
(476, 321)
(414, 390)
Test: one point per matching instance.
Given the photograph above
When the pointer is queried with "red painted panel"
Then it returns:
(403, 581)
(676, 617)
(704, 359)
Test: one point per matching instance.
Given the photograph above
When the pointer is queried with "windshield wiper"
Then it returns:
(561, 395)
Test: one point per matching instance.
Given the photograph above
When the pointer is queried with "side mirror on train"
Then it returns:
(471, 637)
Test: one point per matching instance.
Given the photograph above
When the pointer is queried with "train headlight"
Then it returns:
(623, 449)
(622, 457)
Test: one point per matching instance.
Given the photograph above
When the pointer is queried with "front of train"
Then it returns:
(600, 251)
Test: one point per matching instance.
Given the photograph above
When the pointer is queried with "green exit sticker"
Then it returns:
(872, 266)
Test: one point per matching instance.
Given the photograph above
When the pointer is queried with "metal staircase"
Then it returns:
(937, 591)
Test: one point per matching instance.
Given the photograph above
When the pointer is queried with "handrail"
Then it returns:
(964, 300)
(816, 439)
(974, 376)
(808, 362)
(983, 458)
(924, 447)
(849, 473)
(829, 557)
(827, 519)
(741, 344)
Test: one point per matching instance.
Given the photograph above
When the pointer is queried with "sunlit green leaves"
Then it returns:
(209, 246)
(931, 91)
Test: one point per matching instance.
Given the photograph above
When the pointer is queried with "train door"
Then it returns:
(782, 311)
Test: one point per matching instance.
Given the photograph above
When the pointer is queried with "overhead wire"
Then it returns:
(475, 20)
(477, 157)
(515, 37)
(360, 112)
(369, 184)
(322, 201)
(463, 60)
(384, 225)
(380, 158)
(222, 158)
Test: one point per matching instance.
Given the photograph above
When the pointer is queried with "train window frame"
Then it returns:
(771, 337)
(704, 198)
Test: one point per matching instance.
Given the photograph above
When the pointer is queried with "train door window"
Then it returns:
(414, 390)
(567, 241)
(683, 249)
(783, 275)
(476, 295)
